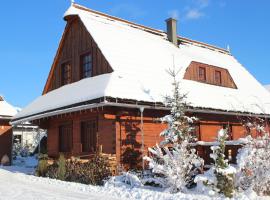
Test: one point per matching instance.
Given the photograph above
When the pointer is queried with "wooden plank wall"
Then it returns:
(5, 140)
(77, 42)
(192, 73)
(105, 132)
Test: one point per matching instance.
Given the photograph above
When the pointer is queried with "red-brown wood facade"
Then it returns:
(76, 42)
(5, 139)
(117, 131)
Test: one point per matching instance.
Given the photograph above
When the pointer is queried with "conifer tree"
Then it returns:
(175, 159)
(224, 173)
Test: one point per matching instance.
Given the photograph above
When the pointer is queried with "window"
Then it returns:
(89, 136)
(65, 137)
(202, 74)
(65, 73)
(86, 65)
(17, 139)
(218, 77)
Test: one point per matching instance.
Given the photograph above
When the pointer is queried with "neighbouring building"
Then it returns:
(6, 113)
(27, 137)
(107, 69)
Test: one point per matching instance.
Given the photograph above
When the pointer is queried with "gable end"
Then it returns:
(75, 42)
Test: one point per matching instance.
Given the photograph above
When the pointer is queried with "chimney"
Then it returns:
(172, 30)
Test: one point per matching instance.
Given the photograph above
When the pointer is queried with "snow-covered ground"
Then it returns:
(17, 184)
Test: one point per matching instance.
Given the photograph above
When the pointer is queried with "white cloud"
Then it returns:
(194, 14)
(203, 3)
(196, 9)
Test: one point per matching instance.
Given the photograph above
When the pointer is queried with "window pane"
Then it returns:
(202, 74)
(88, 136)
(218, 77)
(86, 66)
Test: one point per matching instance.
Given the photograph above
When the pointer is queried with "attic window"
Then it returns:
(86, 65)
(65, 73)
(202, 74)
(218, 77)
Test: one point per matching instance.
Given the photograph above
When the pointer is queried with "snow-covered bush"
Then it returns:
(20, 150)
(175, 159)
(221, 177)
(93, 172)
(178, 165)
(254, 165)
(129, 178)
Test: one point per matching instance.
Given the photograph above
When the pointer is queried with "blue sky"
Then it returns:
(31, 30)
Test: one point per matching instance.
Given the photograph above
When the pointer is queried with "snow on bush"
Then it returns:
(128, 178)
(174, 159)
(220, 178)
(178, 165)
(254, 164)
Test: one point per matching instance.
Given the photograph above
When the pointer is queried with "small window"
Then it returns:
(65, 137)
(86, 65)
(218, 77)
(202, 74)
(89, 136)
(66, 73)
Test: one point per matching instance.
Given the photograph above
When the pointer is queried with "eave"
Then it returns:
(124, 103)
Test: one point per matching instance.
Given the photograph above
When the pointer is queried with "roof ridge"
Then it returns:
(153, 30)
(132, 24)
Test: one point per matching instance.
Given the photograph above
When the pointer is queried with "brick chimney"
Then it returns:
(172, 30)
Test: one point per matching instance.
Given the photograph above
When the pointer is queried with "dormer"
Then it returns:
(209, 74)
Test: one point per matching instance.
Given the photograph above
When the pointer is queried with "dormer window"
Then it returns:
(86, 65)
(202, 74)
(66, 73)
(218, 77)
(209, 74)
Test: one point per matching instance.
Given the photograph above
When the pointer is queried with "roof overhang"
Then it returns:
(3, 117)
(112, 102)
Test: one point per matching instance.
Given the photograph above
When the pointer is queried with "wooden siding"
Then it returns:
(76, 41)
(5, 139)
(119, 132)
(105, 133)
(192, 73)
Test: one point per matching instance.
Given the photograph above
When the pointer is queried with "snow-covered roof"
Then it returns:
(267, 87)
(6, 110)
(140, 58)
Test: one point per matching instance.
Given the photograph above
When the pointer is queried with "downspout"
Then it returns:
(142, 133)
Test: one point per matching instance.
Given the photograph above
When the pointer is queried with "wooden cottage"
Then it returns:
(6, 113)
(108, 79)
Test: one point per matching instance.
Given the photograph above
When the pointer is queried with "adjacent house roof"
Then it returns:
(267, 87)
(140, 57)
(6, 110)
